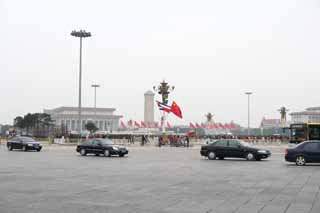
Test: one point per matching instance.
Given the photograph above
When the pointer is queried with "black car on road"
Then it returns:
(232, 148)
(24, 143)
(101, 146)
(306, 152)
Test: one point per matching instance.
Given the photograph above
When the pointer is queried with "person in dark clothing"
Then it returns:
(187, 140)
(160, 141)
(143, 141)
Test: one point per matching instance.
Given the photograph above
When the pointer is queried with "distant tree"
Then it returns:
(33, 121)
(91, 127)
(19, 122)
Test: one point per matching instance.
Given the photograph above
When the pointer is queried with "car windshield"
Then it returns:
(25, 139)
(106, 142)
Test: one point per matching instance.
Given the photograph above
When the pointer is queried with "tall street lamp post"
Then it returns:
(248, 94)
(81, 34)
(164, 90)
(95, 96)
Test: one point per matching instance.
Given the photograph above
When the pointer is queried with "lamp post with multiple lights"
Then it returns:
(80, 34)
(164, 90)
(248, 94)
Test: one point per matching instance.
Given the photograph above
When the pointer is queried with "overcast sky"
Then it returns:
(211, 51)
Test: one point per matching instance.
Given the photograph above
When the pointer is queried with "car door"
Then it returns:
(312, 151)
(234, 149)
(220, 147)
(97, 147)
(88, 146)
(18, 143)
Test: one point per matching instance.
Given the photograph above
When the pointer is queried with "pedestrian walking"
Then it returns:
(160, 141)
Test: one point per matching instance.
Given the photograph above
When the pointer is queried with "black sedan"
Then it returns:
(101, 146)
(306, 152)
(231, 148)
(24, 143)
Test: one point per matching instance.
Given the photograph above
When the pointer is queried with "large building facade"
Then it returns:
(270, 123)
(149, 108)
(311, 114)
(68, 117)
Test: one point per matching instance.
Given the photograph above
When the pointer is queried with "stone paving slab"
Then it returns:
(166, 180)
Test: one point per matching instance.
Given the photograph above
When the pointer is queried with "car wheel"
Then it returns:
(106, 153)
(250, 156)
(97, 154)
(121, 155)
(300, 161)
(9, 147)
(25, 148)
(212, 156)
(83, 152)
(38, 150)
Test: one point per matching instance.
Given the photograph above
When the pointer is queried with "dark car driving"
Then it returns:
(24, 143)
(232, 148)
(101, 146)
(306, 152)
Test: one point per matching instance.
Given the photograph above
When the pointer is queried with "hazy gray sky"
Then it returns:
(212, 51)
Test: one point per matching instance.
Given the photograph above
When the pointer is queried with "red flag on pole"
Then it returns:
(192, 125)
(175, 109)
(143, 124)
(122, 125)
(136, 124)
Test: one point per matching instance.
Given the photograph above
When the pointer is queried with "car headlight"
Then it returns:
(115, 148)
(262, 151)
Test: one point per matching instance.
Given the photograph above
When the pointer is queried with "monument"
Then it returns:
(149, 108)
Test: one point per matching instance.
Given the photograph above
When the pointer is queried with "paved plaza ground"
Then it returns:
(151, 179)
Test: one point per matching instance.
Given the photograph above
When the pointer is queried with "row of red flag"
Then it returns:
(168, 125)
(213, 126)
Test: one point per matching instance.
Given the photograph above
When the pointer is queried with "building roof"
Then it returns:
(305, 113)
(92, 109)
(308, 111)
(313, 109)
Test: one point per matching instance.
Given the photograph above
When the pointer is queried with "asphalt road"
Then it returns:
(153, 180)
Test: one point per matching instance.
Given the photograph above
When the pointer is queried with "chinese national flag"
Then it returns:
(192, 125)
(136, 124)
(122, 125)
(143, 124)
(175, 109)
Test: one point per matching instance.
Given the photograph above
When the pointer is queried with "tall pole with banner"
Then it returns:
(164, 90)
